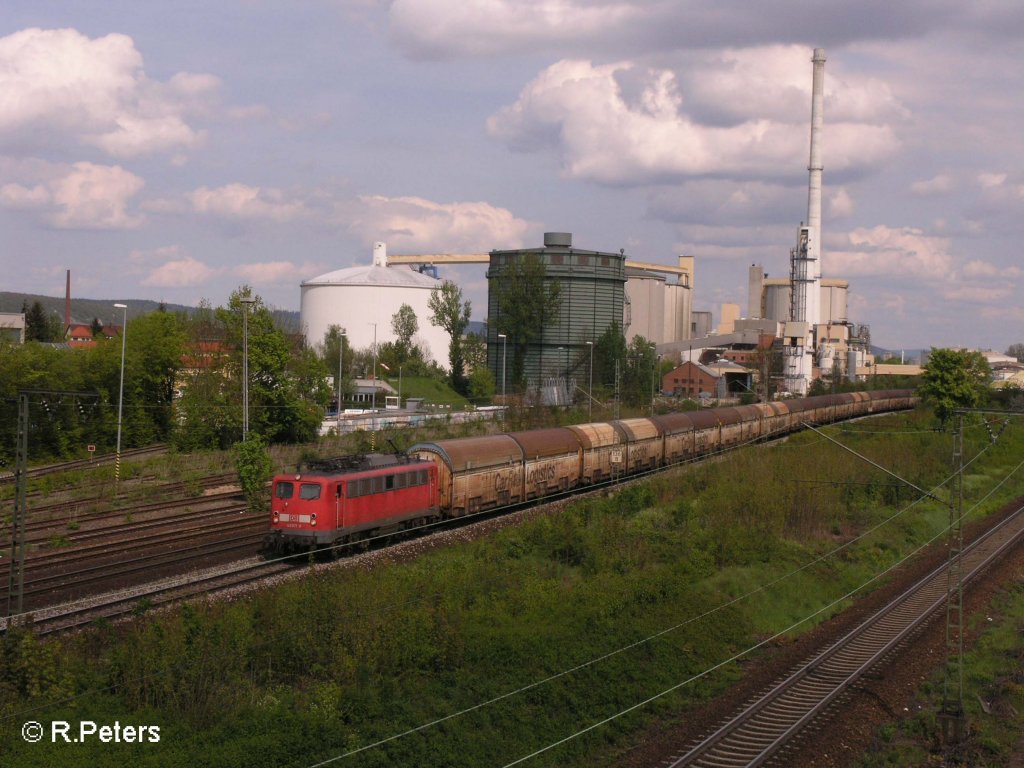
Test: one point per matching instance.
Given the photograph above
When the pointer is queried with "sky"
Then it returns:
(175, 151)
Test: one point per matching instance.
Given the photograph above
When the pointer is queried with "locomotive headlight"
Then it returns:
(277, 516)
(312, 519)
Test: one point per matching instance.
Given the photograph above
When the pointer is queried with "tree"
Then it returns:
(609, 350)
(474, 351)
(639, 378)
(526, 303)
(287, 388)
(1016, 351)
(954, 378)
(60, 426)
(481, 385)
(404, 325)
(279, 409)
(39, 326)
(153, 351)
(97, 328)
(335, 340)
(452, 314)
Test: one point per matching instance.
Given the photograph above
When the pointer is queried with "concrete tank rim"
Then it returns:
(373, 275)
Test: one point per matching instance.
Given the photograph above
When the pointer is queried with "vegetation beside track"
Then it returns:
(993, 698)
(338, 659)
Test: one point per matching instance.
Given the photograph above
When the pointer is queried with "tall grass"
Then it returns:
(336, 660)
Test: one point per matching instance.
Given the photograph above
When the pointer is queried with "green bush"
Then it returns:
(252, 461)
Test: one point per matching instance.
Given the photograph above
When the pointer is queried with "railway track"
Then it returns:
(766, 724)
(109, 458)
(75, 529)
(129, 553)
(136, 600)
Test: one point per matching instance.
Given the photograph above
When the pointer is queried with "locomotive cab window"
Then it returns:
(389, 483)
(284, 490)
(309, 491)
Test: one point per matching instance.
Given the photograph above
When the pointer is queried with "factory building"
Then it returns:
(773, 298)
(655, 308)
(592, 299)
(834, 336)
(12, 327)
(700, 324)
(362, 300)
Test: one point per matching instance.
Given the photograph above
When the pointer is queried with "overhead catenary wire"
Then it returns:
(643, 641)
(752, 648)
(685, 462)
(578, 666)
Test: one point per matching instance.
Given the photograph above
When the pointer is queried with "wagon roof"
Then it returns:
(596, 435)
(729, 415)
(556, 441)
(472, 452)
(674, 423)
(705, 419)
(638, 429)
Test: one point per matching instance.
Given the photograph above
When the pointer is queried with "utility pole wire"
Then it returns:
(874, 464)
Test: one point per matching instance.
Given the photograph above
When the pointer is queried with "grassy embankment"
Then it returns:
(337, 660)
(993, 698)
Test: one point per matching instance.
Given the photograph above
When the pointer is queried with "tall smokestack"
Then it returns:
(814, 168)
(67, 304)
(805, 258)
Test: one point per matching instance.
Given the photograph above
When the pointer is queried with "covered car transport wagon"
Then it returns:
(475, 473)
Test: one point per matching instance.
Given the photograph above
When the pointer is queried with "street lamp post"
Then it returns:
(341, 354)
(654, 377)
(120, 395)
(246, 302)
(590, 388)
(504, 339)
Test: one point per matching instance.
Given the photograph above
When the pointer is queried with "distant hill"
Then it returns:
(84, 310)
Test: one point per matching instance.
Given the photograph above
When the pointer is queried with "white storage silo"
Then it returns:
(357, 297)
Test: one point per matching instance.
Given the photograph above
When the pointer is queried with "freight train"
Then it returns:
(350, 499)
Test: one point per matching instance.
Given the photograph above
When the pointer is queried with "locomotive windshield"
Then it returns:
(309, 491)
(284, 490)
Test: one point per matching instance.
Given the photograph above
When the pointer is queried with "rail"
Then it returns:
(764, 727)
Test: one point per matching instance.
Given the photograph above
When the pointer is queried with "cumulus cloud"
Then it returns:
(840, 204)
(436, 29)
(713, 202)
(261, 273)
(241, 201)
(59, 85)
(84, 196)
(977, 268)
(774, 81)
(452, 28)
(623, 123)
(902, 251)
(991, 180)
(937, 185)
(977, 294)
(416, 224)
(180, 273)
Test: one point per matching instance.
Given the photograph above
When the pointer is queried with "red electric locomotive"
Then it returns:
(337, 501)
